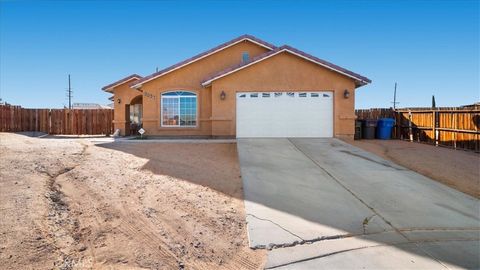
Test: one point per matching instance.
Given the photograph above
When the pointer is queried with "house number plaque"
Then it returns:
(149, 95)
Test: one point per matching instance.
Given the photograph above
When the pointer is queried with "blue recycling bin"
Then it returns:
(384, 128)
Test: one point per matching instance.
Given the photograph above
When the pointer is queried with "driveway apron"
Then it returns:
(316, 203)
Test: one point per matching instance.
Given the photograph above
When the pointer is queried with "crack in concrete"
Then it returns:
(379, 245)
(365, 247)
(306, 241)
(315, 257)
(278, 225)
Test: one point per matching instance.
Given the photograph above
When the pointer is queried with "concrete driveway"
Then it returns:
(323, 204)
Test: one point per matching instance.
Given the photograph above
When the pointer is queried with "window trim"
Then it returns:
(163, 96)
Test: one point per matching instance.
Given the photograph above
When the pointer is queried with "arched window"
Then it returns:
(179, 109)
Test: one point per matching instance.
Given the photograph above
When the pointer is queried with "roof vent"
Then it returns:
(245, 57)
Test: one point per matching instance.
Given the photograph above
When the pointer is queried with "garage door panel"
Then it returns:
(285, 115)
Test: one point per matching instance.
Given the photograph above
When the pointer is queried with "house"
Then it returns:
(245, 87)
(473, 106)
(90, 106)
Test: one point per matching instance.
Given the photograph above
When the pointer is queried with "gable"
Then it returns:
(284, 71)
(359, 79)
(221, 53)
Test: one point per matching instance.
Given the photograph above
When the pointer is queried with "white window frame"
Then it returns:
(193, 94)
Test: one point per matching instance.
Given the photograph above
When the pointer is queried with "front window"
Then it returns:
(179, 109)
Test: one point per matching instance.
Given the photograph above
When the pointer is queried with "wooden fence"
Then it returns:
(457, 128)
(56, 121)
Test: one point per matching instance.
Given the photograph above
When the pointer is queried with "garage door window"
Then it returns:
(179, 109)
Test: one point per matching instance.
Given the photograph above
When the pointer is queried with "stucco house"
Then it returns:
(245, 87)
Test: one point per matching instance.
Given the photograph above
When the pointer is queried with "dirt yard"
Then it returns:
(456, 168)
(70, 204)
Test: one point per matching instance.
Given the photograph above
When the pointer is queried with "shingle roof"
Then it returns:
(361, 80)
(202, 55)
(109, 87)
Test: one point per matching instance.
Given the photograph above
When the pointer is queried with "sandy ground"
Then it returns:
(456, 168)
(69, 204)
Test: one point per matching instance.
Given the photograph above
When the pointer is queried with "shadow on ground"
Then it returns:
(341, 218)
(169, 159)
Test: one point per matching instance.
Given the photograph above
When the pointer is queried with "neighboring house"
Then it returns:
(474, 106)
(243, 88)
(90, 106)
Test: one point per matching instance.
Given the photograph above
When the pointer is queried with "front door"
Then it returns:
(135, 118)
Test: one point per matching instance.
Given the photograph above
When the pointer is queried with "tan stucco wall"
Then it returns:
(190, 78)
(284, 72)
(125, 94)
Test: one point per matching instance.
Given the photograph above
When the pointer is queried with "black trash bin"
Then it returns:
(368, 129)
(358, 129)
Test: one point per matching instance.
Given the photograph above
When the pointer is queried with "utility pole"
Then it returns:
(69, 93)
(395, 97)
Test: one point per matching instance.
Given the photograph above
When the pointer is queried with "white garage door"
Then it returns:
(284, 114)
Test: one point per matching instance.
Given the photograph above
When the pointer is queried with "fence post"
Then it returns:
(410, 133)
(398, 123)
(437, 124)
(36, 120)
(455, 126)
(12, 121)
(434, 128)
(49, 117)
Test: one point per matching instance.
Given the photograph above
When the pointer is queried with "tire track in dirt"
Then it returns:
(134, 225)
(131, 224)
(62, 225)
(239, 260)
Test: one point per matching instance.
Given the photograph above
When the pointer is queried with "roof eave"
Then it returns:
(359, 84)
(109, 88)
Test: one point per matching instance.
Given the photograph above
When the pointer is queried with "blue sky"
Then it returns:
(427, 47)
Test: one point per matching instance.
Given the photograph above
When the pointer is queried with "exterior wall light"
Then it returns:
(223, 95)
(346, 93)
(119, 101)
